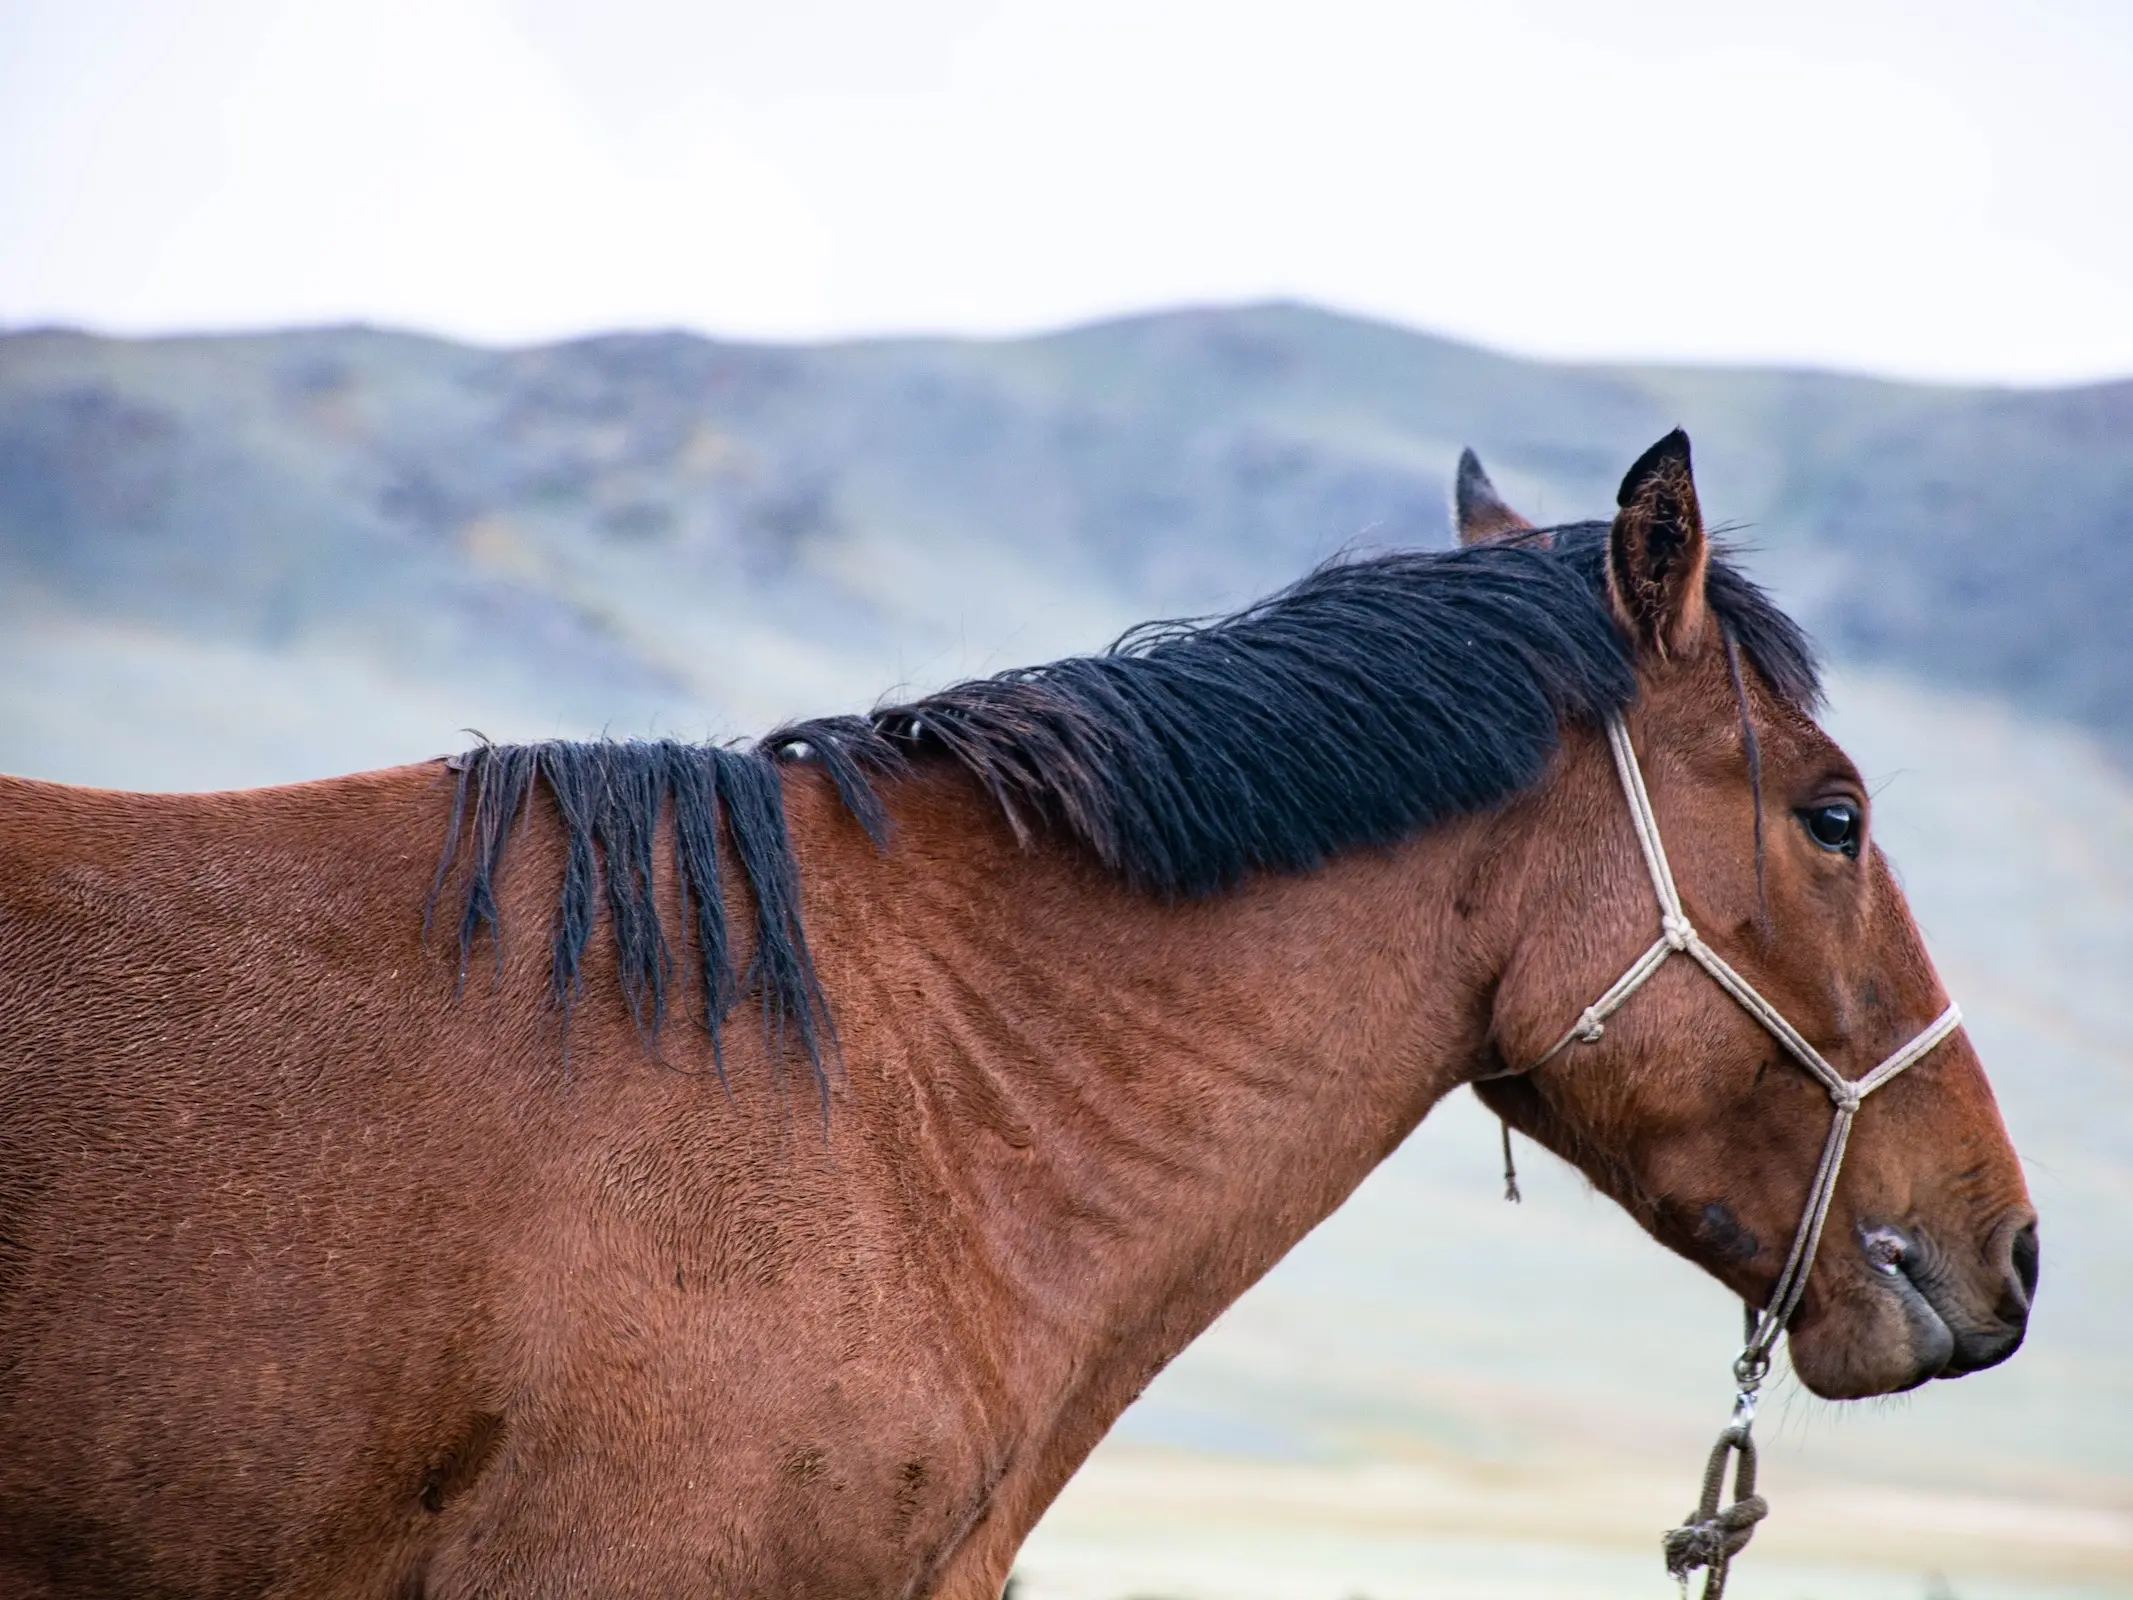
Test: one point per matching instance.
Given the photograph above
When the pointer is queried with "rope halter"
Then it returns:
(1713, 1536)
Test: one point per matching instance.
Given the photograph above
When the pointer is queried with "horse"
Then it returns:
(372, 1223)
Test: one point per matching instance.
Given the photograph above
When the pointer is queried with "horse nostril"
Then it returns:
(1885, 1250)
(2022, 1255)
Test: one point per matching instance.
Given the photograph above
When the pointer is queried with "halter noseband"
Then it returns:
(1712, 1537)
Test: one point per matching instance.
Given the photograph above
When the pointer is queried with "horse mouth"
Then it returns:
(1949, 1339)
(1932, 1339)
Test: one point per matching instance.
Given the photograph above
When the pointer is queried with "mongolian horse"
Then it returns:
(346, 1251)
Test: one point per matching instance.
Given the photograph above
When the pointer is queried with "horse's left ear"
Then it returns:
(1656, 552)
(1478, 511)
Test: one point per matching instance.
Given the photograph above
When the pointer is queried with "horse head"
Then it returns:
(1682, 1104)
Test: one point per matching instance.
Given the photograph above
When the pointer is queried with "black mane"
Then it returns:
(1373, 698)
(609, 797)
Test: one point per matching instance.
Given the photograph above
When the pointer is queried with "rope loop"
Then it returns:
(1751, 1369)
(1711, 1535)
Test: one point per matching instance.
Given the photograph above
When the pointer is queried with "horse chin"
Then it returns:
(1882, 1337)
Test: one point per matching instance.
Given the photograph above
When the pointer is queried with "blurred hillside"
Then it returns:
(269, 557)
(664, 529)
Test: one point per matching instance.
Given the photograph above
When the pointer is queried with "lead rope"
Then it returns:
(1712, 1535)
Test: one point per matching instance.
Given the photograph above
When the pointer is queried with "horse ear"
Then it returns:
(1656, 553)
(1478, 512)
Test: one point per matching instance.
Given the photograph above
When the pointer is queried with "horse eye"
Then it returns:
(1834, 827)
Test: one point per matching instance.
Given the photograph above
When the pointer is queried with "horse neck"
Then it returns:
(1134, 1108)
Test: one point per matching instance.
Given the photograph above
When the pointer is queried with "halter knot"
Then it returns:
(1712, 1542)
(1590, 1027)
(1847, 1099)
(1676, 930)
(1712, 1535)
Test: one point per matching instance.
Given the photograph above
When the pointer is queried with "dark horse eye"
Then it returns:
(1834, 827)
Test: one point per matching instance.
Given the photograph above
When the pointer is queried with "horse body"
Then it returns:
(368, 1293)
(332, 1263)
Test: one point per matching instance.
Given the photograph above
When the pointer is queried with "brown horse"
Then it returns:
(338, 1258)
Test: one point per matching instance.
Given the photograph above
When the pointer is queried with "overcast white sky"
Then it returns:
(1933, 187)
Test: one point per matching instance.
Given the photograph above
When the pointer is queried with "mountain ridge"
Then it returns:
(507, 514)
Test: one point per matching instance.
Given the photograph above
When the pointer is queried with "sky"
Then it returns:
(1930, 188)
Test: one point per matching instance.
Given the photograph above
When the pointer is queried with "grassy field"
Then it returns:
(1143, 1523)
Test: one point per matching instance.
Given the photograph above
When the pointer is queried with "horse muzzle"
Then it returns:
(1960, 1321)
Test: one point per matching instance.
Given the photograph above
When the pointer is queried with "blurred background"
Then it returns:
(374, 372)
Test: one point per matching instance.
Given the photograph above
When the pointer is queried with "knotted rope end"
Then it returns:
(1711, 1535)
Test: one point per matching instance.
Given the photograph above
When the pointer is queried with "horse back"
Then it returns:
(212, 1155)
(331, 1263)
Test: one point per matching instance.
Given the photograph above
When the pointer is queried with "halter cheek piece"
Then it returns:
(1712, 1537)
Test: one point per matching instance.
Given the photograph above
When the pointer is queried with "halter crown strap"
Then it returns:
(1677, 935)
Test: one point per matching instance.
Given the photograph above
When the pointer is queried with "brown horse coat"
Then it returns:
(323, 1272)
